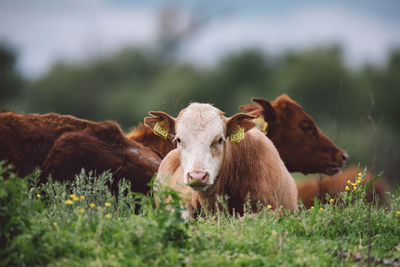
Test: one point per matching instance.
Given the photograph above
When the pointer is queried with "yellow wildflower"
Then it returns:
(355, 187)
(347, 188)
(75, 198)
(348, 181)
(398, 212)
(359, 174)
(81, 210)
(108, 215)
(321, 208)
(38, 196)
(269, 207)
(68, 202)
(82, 197)
(54, 223)
(107, 204)
(72, 195)
(331, 200)
(91, 205)
(312, 207)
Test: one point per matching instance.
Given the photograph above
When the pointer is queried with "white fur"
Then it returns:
(199, 128)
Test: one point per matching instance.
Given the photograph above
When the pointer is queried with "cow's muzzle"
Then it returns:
(198, 180)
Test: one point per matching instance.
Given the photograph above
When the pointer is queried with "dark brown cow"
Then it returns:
(333, 185)
(301, 144)
(62, 145)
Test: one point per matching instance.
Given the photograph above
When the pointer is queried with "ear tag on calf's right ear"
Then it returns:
(261, 124)
(237, 135)
(160, 130)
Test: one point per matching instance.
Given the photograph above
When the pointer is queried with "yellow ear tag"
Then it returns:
(237, 136)
(261, 124)
(160, 130)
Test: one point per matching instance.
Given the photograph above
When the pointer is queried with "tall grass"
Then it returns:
(82, 223)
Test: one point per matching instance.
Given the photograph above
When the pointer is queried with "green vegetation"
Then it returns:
(80, 223)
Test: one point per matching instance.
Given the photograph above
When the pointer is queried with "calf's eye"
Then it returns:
(306, 126)
(220, 141)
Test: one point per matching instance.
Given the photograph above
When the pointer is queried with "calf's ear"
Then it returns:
(252, 109)
(162, 124)
(267, 110)
(237, 125)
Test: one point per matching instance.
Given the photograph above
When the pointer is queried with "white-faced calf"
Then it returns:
(219, 156)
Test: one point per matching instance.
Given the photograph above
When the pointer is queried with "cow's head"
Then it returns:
(201, 132)
(301, 144)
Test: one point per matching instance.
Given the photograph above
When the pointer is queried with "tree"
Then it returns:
(10, 80)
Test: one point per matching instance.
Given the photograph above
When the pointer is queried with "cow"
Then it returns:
(222, 157)
(61, 145)
(320, 186)
(301, 144)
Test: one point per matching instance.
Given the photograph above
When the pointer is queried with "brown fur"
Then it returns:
(252, 170)
(301, 144)
(62, 145)
(320, 186)
(145, 136)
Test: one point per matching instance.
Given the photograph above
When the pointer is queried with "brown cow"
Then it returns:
(333, 185)
(301, 144)
(62, 145)
(248, 167)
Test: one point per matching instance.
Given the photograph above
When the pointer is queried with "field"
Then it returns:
(81, 224)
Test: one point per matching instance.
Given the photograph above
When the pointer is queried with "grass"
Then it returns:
(81, 223)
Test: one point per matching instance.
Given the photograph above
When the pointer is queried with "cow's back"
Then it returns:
(25, 140)
(319, 186)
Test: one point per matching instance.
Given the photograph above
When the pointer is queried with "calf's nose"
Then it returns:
(198, 178)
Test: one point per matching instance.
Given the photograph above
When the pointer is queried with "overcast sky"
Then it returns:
(44, 31)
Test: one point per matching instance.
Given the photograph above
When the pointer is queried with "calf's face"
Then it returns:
(201, 132)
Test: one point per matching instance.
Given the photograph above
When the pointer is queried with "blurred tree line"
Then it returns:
(10, 81)
(356, 107)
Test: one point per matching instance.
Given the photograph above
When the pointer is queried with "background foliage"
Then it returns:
(355, 106)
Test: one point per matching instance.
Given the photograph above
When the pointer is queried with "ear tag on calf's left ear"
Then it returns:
(237, 135)
(160, 130)
(261, 124)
